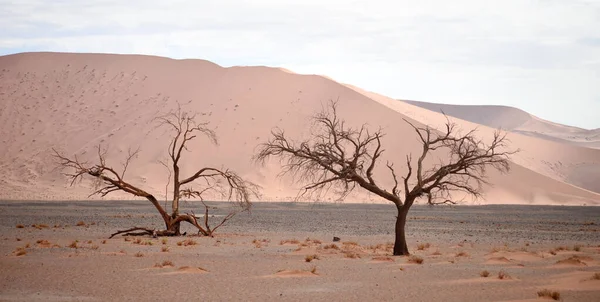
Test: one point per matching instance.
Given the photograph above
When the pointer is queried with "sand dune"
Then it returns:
(74, 102)
(517, 120)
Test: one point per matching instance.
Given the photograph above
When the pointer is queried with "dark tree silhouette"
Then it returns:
(185, 129)
(340, 157)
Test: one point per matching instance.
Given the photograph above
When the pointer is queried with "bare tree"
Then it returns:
(185, 129)
(341, 157)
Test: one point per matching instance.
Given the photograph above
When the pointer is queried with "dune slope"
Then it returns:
(74, 102)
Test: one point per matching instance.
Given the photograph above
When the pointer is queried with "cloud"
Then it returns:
(540, 56)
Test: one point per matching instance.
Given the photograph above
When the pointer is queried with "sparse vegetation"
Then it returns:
(462, 254)
(502, 275)
(436, 253)
(164, 263)
(546, 293)
(484, 274)
(332, 246)
(104, 241)
(289, 241)
(314, 270)
(415, 259)
(423, 246)
(138, 254)
(80, 223)
(94, 247)
(164, 241)
(20, 226)
(577, 248)
(73, 245)
(596, 276)
(20, 251)
(187, 242)
(164, 249)
(351, 255)
(310, 258)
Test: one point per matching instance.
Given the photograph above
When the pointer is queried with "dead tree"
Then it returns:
(185, 129)
(341, 157)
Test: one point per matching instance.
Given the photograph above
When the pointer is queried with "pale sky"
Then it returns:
(541, 56)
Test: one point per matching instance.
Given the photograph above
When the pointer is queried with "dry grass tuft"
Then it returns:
(436, 253)
(138, 254)
(80, 223)
(596, 276)
(137, 241)
(44, 243)
(314, 270)
(289, 241)
(104, 241)
(148, 243)
(164, 249)
(503, 275)
(164, 263)
(423, 246)
(415, 259)
(332, 246)
(351, 255)
(546, 293)
(484, 274)
(577, 247)
(20, 226)
(94, 247)
(462, 254)
(127, 239)
(73, 245)
(314, 241)
(310, 258)
(350, 243)
(164, 241)
(187, 242)
(20, 251)
(383, 258)
(553, 252)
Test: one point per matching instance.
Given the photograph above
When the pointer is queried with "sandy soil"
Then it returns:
(261, 256)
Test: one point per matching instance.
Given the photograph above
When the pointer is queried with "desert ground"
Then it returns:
(60, 251)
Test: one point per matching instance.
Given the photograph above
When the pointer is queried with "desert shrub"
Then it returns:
(20, 226)
(139, 254)
(484, 274)
(164, 249)
(546, 293)
(577, 248)
(314, 270)
(80, 223)
(596, 276)
(73, 245)
(94, 247)
(164, 241)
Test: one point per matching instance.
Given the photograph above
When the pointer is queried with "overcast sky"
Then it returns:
(541, 56)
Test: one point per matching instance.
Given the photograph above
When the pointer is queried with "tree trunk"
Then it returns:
(400, 247)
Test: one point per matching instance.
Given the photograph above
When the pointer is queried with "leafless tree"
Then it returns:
(185, 129)
(341, 157)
